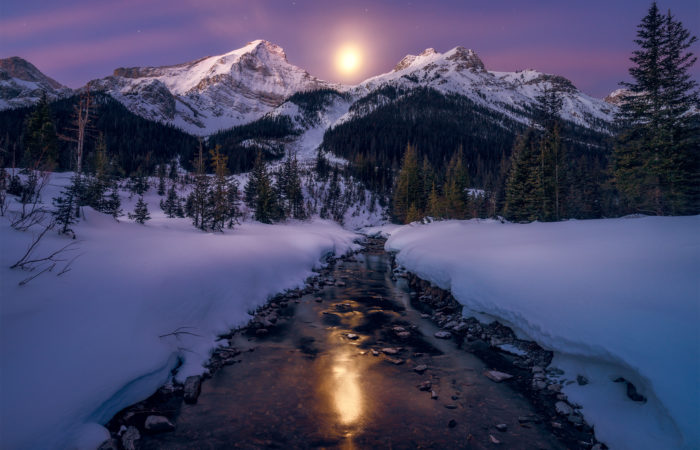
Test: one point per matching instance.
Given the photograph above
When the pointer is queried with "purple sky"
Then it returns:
(588, 42)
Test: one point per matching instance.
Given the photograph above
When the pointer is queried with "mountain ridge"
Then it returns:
(217, 92)
(22, 84)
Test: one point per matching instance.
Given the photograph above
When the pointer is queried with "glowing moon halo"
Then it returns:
(348, 59)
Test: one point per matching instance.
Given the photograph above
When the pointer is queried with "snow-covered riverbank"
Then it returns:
(77, 348)
(613, 298)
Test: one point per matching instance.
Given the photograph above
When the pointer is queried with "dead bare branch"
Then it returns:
(28, 264)
(180, 331)
(32, 246)
(48, 268)
(67, 267)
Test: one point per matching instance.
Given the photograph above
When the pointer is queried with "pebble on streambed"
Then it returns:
(420, 368)
(495, 375)
(443, 335)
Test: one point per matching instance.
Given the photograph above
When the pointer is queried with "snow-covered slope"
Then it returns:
(460, 71)
(77, 348)
(311, 125)
(612, 298)
(22, 84)
(212, 93)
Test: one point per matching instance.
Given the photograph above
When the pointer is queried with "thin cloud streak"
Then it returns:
(77, 54)
(40, 23)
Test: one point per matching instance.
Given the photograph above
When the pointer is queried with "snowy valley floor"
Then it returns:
(77, 348)
(612, 298)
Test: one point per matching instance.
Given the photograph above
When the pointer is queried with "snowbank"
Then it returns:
(614, 297)
(76, 349)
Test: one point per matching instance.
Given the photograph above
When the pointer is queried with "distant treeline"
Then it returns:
(132, 141)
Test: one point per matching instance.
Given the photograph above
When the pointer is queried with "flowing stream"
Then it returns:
(323, 381)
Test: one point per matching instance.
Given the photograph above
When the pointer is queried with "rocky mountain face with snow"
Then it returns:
(477, 103)
(216, 93)
(461, 71)
(211, 93)
(22, 84)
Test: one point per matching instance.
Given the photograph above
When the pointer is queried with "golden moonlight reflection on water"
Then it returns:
(347, 394)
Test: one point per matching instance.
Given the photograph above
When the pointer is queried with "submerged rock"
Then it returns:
(193, 386)
(443, 335)
(495, 375)
(390, 351)
(158, 424)
(421, 368)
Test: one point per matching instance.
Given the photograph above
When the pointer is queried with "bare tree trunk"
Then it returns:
(82, 119)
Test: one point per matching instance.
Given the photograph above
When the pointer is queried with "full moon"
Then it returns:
(348, 59)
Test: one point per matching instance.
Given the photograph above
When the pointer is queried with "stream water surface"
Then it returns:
(321, 380)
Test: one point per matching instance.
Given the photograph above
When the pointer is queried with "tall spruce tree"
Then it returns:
(222, 194)
(40, 139)
(409, 185)
(260, 192)
(197, 201)
(456, 187)
(524, 185)
(655, 160)
(553, 165)
(436, 204)
(290, 188)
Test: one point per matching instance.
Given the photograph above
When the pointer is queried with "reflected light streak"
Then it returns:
(346, 391)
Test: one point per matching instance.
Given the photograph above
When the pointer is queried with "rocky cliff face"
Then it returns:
(212, 93)
(22, 84)
(461, 71)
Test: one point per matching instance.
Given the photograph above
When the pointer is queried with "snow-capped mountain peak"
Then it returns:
(461, 71)
(22, 69)
(415, 60)
(217, 92)
(22, 84)
(211, 93)
(465, 59)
